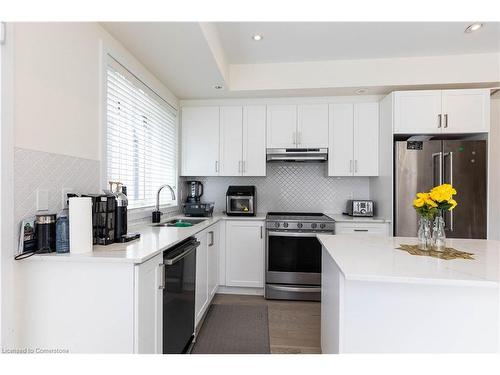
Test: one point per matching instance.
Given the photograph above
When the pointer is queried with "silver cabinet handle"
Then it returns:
(162, 275)
(361, 230)
(261, 232)
(350, 166)
(216, 166)
(446, 120)
(439, 120)
(244, 163)
(211, 233)
(356, 166)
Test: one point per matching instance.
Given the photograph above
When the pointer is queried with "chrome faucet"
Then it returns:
(157, 213)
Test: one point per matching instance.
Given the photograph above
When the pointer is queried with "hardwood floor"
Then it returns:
(294, 326)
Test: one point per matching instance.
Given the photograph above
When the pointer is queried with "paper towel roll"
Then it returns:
(80, 225)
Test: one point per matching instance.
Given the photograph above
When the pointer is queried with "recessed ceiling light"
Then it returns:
(474, 27)
(218, 87)
(257, 37)
(361, 91)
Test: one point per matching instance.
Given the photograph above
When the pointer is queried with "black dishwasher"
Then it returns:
(179, 296)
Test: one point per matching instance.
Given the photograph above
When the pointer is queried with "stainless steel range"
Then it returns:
(293, 254)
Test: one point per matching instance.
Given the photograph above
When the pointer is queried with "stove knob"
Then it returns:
(299, 225)
(277, 225)
(285, 225)
(314, 225)
(322, 226)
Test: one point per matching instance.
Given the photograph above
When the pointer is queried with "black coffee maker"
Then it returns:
(195, 191)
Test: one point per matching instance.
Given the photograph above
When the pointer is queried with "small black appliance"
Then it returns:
(241, 201)
(195, 191)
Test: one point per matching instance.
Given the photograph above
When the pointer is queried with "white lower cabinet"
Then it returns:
(207, 271)
(362, 228)
(245, 253)
(149, 306)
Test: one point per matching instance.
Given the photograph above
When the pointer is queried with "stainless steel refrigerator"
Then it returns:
(421, 165)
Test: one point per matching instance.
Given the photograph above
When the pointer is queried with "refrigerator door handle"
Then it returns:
(440, 179)
(451, 182)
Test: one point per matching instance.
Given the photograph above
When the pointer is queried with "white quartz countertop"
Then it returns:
(375, 258)
(340, 218)
(153, 241)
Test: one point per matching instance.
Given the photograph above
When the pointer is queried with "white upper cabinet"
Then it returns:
(224, 141)
(312, 125)
(200, 141)
(254, 141)
(466, 111)
(231, 140)
(417, 112)
(281, 126)
(366, 138)
(441, 111)
(353, 139)
(341, 136)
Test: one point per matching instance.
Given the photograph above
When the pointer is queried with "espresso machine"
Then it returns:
(120, 193)
(193, 205)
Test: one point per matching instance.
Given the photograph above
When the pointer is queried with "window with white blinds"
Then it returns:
(141, 138)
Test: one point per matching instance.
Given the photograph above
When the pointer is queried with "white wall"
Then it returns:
(54, 106)
(58, 86)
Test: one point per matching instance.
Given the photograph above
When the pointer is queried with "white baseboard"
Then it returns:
(240, 290)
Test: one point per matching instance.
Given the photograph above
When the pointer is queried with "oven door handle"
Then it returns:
(294, 234)
(294, 288)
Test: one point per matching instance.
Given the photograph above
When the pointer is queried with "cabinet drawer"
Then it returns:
(361, 228)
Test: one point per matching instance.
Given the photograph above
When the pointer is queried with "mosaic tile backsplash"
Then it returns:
(42, 170)
(291, 187)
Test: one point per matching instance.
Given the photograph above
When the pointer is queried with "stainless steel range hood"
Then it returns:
(297, 154)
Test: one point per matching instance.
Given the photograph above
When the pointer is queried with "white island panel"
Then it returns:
(376, 299)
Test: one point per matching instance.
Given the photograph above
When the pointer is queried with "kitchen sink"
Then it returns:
(179, 223)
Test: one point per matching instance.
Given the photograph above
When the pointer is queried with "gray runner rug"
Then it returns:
(234, 329)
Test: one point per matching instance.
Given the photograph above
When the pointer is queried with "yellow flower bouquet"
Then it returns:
(439, 198)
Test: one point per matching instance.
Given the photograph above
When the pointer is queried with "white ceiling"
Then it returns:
(177, 53)
(190, 61)
(316, 41)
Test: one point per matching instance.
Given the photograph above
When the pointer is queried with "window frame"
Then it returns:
(135, 213)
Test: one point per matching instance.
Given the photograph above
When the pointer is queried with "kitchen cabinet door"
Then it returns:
(417, 112)
(341, 134)
(200, 141)
(231, 141)
(281, 126)
(213, 260)
(149, 307)
(245, 253)
(466, 111)
(312, 125)
(254, 140)
(366, 137)
(201, 292)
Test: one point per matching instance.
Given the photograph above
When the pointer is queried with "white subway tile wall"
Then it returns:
(290, 187)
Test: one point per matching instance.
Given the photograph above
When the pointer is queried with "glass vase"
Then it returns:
(438, 234)
(424, 233)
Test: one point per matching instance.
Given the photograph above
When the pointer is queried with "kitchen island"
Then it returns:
(378, 299)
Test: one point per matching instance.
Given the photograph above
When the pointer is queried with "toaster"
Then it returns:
(359, 207)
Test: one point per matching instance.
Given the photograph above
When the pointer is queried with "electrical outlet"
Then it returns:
(42, 199)
(64, 196)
